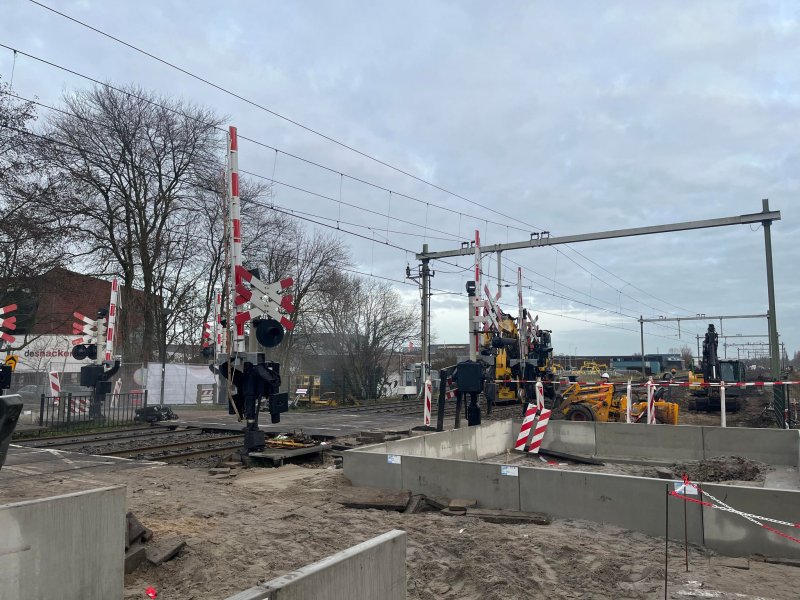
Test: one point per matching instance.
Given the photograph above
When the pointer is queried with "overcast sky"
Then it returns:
(569, 117)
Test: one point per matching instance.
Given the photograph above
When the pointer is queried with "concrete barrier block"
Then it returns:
(376, 448)
(733, 535)
(494, 438)
(666, 443)
(484, 482)
(70, 547)
(634, 503)
(455, 444)
(573, 438)
(369, 469)
(373, 569)
(772, 446)
(413, 446)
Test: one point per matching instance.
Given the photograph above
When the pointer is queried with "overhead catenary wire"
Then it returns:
(342, 175)
(360, 208)
(306, 128)
(268, 110)
(356, 234)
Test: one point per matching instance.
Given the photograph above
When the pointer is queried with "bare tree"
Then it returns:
(32, 240)
(365, 323)
(134, 161)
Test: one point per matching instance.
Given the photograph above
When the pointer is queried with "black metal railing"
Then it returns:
(70, 411)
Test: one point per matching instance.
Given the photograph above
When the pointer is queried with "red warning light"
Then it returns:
(151, 592)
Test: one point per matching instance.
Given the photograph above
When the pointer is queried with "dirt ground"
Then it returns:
(263, 523)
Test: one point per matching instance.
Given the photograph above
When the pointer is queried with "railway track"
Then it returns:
(146, 444)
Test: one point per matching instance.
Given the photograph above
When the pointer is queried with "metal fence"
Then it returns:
(68, 412)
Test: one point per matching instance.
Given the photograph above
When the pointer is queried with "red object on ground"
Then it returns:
(151, 592)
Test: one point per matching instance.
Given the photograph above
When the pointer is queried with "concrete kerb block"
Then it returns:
(570, 437)
(371, 469)
(484, 482)
(667, 443)
(454, 444)
(373, 569)
(635, 503)
(494, 438)
(772, 446)
(70, 546)
(413, 446)
(733, 535)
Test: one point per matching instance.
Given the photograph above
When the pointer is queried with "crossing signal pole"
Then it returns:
(264, 307)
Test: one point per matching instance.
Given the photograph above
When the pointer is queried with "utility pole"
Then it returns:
(775, 365)
(423, 279)
(426, 295)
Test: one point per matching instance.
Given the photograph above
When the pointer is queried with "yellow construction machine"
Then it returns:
(598, 402)
(505, 346)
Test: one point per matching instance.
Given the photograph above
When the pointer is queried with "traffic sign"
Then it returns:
(11, 361)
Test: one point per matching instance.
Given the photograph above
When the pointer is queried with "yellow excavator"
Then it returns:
(598, 402)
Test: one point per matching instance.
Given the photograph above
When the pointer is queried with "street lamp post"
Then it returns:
(165, 312)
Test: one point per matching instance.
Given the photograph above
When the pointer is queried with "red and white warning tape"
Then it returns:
(665, 384)
(720, 505)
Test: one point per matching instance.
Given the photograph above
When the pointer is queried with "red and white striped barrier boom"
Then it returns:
(112, 321)
(8, 322)
(235, 229)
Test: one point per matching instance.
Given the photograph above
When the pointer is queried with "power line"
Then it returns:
(268, 110)
(314, 163)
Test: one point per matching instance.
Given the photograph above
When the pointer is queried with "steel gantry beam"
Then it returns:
(543, 239)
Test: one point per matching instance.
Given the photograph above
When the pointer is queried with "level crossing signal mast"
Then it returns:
(252, 379)
(96, 333)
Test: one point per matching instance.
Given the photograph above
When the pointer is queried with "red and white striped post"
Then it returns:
(651, 404)
(527, 423)
(55, 384)
(116, 392)
(628, 407)
(428, 394)
(723, 418)
(541, 423)
(112, 320)
(235, 227)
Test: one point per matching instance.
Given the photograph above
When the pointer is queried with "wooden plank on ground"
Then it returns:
(369, 497)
